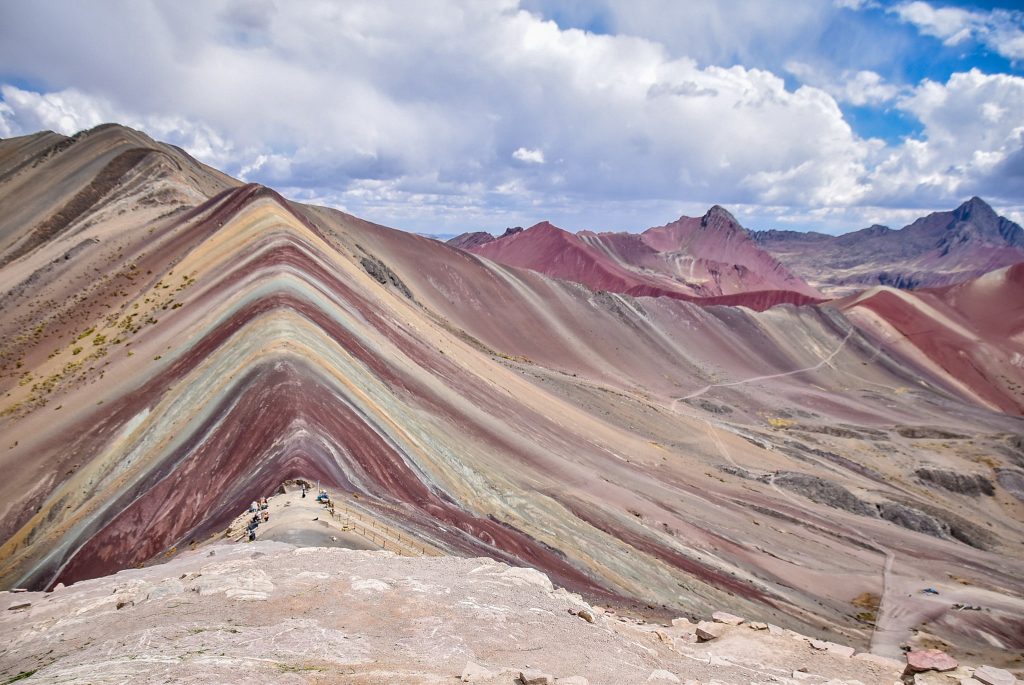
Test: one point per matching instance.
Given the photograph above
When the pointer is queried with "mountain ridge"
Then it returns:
(938, 249)
(692, 258)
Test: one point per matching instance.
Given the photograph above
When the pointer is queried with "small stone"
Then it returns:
(663, 636)
(475, 673)
(758, 625)
(532, 677)
(775, 630)
(709, 631)
(685, 639)
(681, 622)
(19, 607)
(726, 618)
(586, 615)
(930, 660)
(661, 675)
(991, 675)
(58, 586)
(572, 680)
(819, 644)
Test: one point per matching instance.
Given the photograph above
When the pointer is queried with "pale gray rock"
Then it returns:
(533, 677)
(662, 676)
(726, 618)
(475, 673)
(990, 675)
(572, 680)
(707, 631)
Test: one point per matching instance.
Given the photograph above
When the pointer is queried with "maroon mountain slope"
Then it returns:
(697, 259)
(968, 333)
(940, 249)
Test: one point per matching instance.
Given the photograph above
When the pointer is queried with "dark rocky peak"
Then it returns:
(975, 220)
(467, 241)
(510, 231)
(877, 229)
(975, 209)
(719, 218)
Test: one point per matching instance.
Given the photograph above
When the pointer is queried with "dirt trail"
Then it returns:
(770, 376)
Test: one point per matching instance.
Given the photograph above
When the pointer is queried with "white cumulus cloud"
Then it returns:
(416, 114)
(864, 87)
(1000, 30)
(529, 156)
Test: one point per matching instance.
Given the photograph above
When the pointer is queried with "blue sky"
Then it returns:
(441, 116)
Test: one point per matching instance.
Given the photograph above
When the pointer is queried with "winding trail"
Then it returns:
(815, 367)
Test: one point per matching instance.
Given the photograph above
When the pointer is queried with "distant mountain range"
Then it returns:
(714, 259)
(692, 258)
(939, 249)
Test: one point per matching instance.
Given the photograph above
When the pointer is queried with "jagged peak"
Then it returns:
(975, 208)
(717, 216)
(510, 231)
(719, 211)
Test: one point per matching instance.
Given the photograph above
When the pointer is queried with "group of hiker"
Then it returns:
(260, 514)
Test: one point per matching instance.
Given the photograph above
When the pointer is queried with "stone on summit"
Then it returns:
(726, 618)
(930, 660)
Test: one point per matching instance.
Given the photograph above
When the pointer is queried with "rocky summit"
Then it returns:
(236, 611)
(273, 612)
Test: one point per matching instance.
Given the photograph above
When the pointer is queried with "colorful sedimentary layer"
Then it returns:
(176, 344)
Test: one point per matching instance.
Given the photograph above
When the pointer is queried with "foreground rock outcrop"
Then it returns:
(268, 611)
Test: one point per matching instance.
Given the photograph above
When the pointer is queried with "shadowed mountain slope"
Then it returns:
(165, 362)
